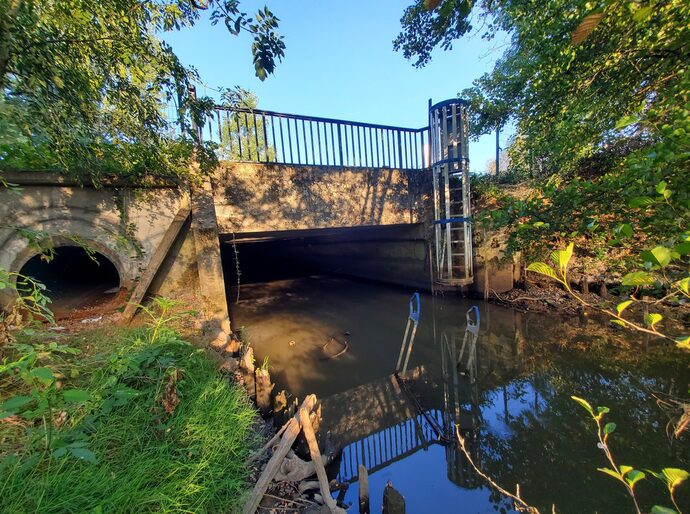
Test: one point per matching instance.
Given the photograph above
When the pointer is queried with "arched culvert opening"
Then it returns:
(78, 284)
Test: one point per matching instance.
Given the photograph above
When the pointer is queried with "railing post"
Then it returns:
(399, 151)
(340, 146)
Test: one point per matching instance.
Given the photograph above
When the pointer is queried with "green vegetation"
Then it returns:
(599, 92)
(84, 85)
(128, 421)
(627, 475)
(634, 284)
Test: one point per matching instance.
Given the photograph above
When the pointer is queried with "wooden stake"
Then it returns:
(263, 391)
(363, 482)
(393, 501)
(289, 436)
(318, 463)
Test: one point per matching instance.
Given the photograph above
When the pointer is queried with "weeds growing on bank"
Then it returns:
(128, 422)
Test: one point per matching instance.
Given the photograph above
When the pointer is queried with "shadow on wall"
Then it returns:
(253, 197)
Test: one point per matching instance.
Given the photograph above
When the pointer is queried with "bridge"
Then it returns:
(375, 201)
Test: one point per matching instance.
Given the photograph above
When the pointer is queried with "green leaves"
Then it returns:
(14, 405)
(610, 472)
(659, 256)
(626, 121)
(628, 475)
(609, 428)
(43, 375)
(76, 450)
(622, 306)
(543, 269)
(672, 477)
(658, 509)
(76, 395)
(585, 404)
(652, 319)
(633, 476)
(638, 278)
(561, 258)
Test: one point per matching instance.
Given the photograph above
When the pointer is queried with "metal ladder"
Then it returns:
(451, 193)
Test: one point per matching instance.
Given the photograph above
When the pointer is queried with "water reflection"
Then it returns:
(507, 390)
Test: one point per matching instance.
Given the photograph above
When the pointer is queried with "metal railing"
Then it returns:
(389, 445)
(271, 137)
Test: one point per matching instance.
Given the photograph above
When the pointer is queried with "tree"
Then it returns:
(83, 84)
(239, 134)
(600, 94)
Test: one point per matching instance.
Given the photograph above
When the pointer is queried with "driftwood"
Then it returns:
(262, 380)
(302, 447)
(584, 285)
(363, 482)
(303, 487)
(294, 469)
(289, 436)
(318, 464)
(393, 501)
(281, 409)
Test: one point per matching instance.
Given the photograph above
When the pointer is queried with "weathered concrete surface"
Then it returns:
(493, 271)
(252, 197)
(209, 264)
(123, 224)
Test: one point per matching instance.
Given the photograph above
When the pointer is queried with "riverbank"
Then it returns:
(115, 420)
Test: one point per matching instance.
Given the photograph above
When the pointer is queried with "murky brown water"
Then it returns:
(509, 395)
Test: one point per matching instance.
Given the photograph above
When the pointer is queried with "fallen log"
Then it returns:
(318, 464)
(281, 451)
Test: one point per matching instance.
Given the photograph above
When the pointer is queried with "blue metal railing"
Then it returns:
(271, 137)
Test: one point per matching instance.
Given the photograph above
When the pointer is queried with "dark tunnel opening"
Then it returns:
(75, 281)
(394, 254)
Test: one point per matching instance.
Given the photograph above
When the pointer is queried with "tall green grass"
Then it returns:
(148, 461)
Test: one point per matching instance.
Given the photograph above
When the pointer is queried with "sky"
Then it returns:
(339, 63)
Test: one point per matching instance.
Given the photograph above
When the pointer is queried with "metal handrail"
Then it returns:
(257, 135)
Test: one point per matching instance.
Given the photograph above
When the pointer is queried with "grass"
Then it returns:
(148, 460)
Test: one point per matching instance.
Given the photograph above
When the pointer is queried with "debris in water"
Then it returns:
(291, 343)
(92, 320)
(344, 345)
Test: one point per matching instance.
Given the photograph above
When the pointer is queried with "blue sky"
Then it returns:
(340, 63)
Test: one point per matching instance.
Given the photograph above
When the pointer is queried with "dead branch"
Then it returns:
(519, 503)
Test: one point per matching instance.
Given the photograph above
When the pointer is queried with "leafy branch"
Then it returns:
(627, 475)
(559, 273)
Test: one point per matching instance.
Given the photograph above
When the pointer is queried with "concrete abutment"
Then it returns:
(366, 223)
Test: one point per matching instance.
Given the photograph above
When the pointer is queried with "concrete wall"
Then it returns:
(252, 197)
(123, 224)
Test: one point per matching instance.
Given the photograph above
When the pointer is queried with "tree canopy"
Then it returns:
(599, 91)
(83, 83)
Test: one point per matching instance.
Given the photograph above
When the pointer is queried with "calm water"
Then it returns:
(509, 394)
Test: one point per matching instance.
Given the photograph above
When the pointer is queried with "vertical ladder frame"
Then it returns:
(449, 161)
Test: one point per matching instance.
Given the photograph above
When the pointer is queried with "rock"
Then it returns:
(229, 366)
(220, 340)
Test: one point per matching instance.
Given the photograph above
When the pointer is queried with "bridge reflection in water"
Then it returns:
(422, 425)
